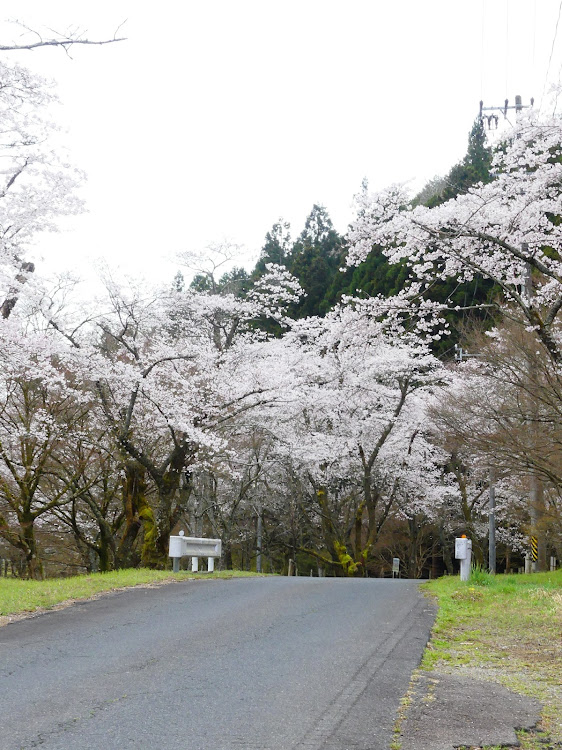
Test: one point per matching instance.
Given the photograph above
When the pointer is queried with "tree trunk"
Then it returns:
(134, 488)
(413, 551)
(29, 547)
(447, 551)
(329, 534)
(167, 514)
(227, 553)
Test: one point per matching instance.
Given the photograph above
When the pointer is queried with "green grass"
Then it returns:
(18, 596)
(507, 629)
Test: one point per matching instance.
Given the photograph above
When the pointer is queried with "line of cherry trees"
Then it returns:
(339, 441)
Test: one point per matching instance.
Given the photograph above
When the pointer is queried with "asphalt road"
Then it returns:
(258, 663)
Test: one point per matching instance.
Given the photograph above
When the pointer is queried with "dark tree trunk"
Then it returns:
(134, 489)
(447, 551)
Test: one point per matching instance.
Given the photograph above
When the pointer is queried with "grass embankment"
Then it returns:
(20, 596)
(507, 629)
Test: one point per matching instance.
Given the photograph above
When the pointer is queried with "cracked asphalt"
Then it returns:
(264, 663)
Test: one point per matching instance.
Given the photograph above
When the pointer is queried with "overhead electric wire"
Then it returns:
(534, 40)
(506, 49)
(482, 50)
(552, 53)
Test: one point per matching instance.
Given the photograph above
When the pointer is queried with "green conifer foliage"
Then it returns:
(315, 259)
(276, 249)
(474, 168)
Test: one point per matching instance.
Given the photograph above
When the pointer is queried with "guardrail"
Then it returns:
(194, 547)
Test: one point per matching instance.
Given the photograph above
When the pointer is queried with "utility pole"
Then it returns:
(259, 541)
(536, 489)
(460, 355)
(492, 526)
(492, 120)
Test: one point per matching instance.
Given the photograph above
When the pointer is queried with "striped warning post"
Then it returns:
(534, 549)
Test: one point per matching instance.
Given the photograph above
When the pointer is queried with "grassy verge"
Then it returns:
(507, 629)
(19, 596)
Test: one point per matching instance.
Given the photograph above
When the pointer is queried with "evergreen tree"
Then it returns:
(178, 283)
(277, 247)
(315, 261)
(236, 282)
(474, 168)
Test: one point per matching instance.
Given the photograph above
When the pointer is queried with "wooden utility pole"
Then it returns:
(492, 525)
(536, 497)
(492, 120)
(259, 541)
(460, 355)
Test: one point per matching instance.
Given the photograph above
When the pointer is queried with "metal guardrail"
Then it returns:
(194, 547)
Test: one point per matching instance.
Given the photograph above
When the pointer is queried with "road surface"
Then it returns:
(253, 663)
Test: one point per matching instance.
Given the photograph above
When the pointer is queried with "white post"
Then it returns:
(175, 551)
(463, 552)
(552, 564)
(465, 567)
(194, 564)
(492, 526)
(528, 564)
(210, 564)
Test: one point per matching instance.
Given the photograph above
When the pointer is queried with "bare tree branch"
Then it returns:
(64, 40)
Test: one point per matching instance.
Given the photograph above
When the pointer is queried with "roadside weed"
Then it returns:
(18, 595)
(507, 629)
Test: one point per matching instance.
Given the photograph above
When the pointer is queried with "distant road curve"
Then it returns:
(253, 663)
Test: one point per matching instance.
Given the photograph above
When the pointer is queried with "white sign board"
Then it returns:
(396, 565)
(194, 547)
(462, 545)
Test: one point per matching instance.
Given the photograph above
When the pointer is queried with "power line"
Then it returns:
(506, 46)
(534, 40)
(482, 49)
(552, 50)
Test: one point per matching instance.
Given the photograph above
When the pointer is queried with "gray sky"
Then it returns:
(216, 118)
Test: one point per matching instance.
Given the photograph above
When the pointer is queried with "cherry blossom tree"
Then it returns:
(102, 525)
(168, 371)
(358, 413)
(42, 408)
(507, 230)
(232, 494)
(36, 186)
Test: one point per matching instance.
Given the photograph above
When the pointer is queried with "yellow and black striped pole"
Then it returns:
(534, 549)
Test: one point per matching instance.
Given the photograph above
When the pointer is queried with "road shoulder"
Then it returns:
(447, 711)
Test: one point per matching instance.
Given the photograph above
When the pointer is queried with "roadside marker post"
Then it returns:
(534, 548)
(194, 547)
(463, 552)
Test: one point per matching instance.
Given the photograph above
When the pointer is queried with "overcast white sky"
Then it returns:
(217, 117)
